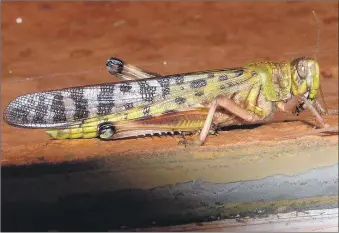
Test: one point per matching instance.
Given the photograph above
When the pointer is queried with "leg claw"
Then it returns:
(190, 142)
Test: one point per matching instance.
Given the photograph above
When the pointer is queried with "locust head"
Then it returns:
(305, 79)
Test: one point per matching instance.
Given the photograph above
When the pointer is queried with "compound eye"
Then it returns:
(302, 68)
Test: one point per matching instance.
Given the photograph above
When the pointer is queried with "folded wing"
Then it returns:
(65, 107)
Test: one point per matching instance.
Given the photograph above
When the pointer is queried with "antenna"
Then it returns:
(318, 35)
(316, 53)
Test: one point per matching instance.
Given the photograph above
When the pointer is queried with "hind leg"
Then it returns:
(125, 71)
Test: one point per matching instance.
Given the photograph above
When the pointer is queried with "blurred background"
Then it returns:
(43, 38)
(50, 45)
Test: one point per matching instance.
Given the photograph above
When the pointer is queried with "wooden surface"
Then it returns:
(325, 220)
(95, 185)
(60, 44)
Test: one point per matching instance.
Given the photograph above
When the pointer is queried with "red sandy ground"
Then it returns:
(76, 36)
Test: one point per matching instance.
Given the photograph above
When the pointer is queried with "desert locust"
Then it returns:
(147, 103)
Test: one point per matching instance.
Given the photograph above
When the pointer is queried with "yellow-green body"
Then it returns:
(257, 87)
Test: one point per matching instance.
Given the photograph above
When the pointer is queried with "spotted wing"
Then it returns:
(60, 108)
(66, 107)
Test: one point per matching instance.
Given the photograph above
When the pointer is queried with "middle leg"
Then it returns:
(231, 107)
